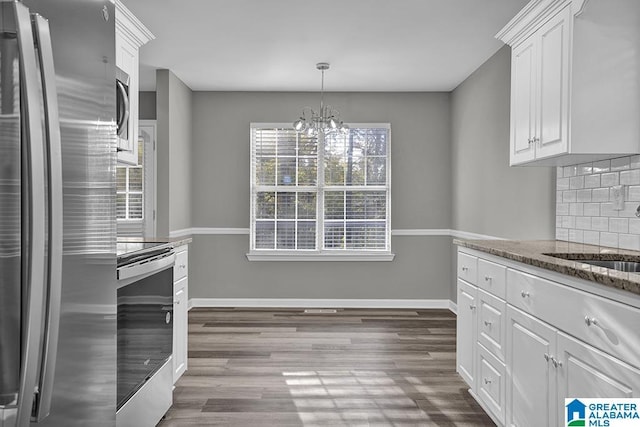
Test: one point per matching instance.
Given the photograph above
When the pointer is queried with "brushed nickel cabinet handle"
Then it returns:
(590, 321)
(525, 294)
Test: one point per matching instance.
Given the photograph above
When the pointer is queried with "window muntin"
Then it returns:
(343, 206)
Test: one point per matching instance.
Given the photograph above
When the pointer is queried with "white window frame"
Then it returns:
(147, 225)
(320, 254)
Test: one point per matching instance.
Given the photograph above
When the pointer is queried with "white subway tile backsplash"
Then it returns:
(563, 209)
(585, 169)
(629, 241)
(621, 163)
(563, 184)
(576, 209)
(562, 234)
(576, 236)
(583, 223)
(610, 179)
(576, 182)
(634, 193)
(629, 210)
(568, 222)
(569, 196)
(592, 237)
(609, 239)
(606, 209)
(600, 223)
(602, 166)
(584, 209)
(630, 177)
(583, 195)
(592, 181)
(619, 225)
(590, 209)
(634, 226)
(600, 195)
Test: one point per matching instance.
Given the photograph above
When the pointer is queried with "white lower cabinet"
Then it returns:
(180, 312)
(490, 383)
(588, 372)
(522, 357)
(466, 329)
(531, 386)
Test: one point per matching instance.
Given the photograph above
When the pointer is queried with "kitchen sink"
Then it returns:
(601, 261)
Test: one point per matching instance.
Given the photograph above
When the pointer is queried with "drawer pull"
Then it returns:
(472, 307)
(590, 321)
(488, 278)
(487, 323)
(556, 362)
(487, 381)
(547, 357)
(525, 294)
(465, 268)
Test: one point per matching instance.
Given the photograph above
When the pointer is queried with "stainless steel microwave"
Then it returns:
(122, 107)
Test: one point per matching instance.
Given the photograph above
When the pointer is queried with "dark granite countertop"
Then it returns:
(534, 252)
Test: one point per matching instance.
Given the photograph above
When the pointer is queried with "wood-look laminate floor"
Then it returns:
(285, 367)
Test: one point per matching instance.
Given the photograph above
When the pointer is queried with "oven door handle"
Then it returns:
(147, 266)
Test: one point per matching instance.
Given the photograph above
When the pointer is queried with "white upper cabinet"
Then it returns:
(575, 68)
(131, 34)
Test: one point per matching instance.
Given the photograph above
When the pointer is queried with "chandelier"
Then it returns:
(326, 120)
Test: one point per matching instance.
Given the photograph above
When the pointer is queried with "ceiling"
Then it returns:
(273, 45)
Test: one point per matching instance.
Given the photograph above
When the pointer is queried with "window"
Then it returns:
(135, 193)
(326, 195)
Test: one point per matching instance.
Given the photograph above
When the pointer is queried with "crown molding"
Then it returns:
(532, 16)
(130, 26)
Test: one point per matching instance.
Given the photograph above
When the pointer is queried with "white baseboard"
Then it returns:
(453, 307)
(319, 303)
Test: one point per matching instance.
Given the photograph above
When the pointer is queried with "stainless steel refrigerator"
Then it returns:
(57, 213)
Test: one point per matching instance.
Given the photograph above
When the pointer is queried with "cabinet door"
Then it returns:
(588, 372)
(523, 101)
(531, 385)
(467, 327)
(180, 328)
(553, 86)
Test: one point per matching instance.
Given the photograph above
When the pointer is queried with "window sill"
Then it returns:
(315, 256)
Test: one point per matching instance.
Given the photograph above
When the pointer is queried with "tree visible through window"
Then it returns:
(330, 193)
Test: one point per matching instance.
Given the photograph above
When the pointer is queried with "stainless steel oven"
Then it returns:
(145, 335)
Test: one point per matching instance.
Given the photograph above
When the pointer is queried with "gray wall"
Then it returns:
(174, 142)
(421, 198)
(489, 197)
(147, 105)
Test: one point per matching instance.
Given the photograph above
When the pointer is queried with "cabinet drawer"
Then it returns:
(467, 268)
(181, 267)
(605, 324)
(491, 323)
(491, 383)
(492, 277)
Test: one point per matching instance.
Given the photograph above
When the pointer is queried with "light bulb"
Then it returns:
(299, 124)
(344, 128)
(311, 131)
(333, 123)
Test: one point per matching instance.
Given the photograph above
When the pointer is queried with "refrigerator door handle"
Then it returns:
(53, 152)
(35, 195)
